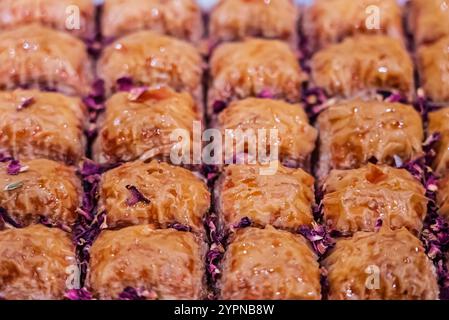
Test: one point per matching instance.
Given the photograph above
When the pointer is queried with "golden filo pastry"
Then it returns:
(153, 193)
(295, 137)
(40, 190)
(439, 123)
(384, 265)
(352, 133)
(232, 20)
(178, 18)
(355, 200)
(150, 59)
(254, 68)
(140, 126)
(36, 56)
(362, 65)
(330, 21)
(36, 124)
(168, 263)
(429, 20)
(433, 67)
(443, 197)
(35, 263)
(269, 264)
(74, 16)
(283, 199)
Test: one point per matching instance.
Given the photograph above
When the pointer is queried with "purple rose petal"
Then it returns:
(125, 84)
(25, 103)
(136, 196)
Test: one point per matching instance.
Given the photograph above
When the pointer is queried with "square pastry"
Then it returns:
(39, 191)
(35, 263)
(63, 15)
(36, 56)
(355, 200)
(153, 193)
(269, 264)
(146, 58)
(181, 18)
(353, 133)
(428, 20)
(36, 124)
(253, 68)
(439, 123)
(330, 21)
(363, 65)
(166, 264)
(139, 126)
(433, 67)
(384, 265)
(232, 20)
(284, 199)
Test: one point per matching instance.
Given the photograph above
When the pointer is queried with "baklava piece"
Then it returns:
(163, 264)
(385, 265)
(355, 200)
(439, 124)
(153, 193)
(140, 126)
(356, 132)
(283, 199)
(237, 19)
(36, 56)
(74, 16)
(180, 18)
(330, 21)
(254, 68)
(443, 197)
(149, 59)
(40, 191)
(35, 263)
(295, 137)
(35, 124)
(433, 66)
(363, 65)
(428, 20)
(269, 264)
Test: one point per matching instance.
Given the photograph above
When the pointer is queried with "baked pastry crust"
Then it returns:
(284, 199)
(179, 18)
(439, 123)
(45, 190)
(443, 197)
(355, 200)
(363, 64)
(168, 262)
(175, 195)
(36, 124)
(397, 257)
(34, 263)
(268, 264)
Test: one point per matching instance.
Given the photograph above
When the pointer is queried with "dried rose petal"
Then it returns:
(136, 196)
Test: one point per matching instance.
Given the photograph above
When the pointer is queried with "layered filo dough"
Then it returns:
(254, 68)
(36, 124)
(178, 18)
(140, 127)
(353, 133)
(173, 195)
(443, 197)
(232, 20)
(36, 56)
(433, 66)
(385, 265)
(330, 21)
(288, 123)
(35, 263)
(284, 198)
(429, 20)
(355, 200)
(74, 16)
(150, 59)
(362, 65)
(439, 124)
(42, 191)
(168, 263)
(269, 264)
